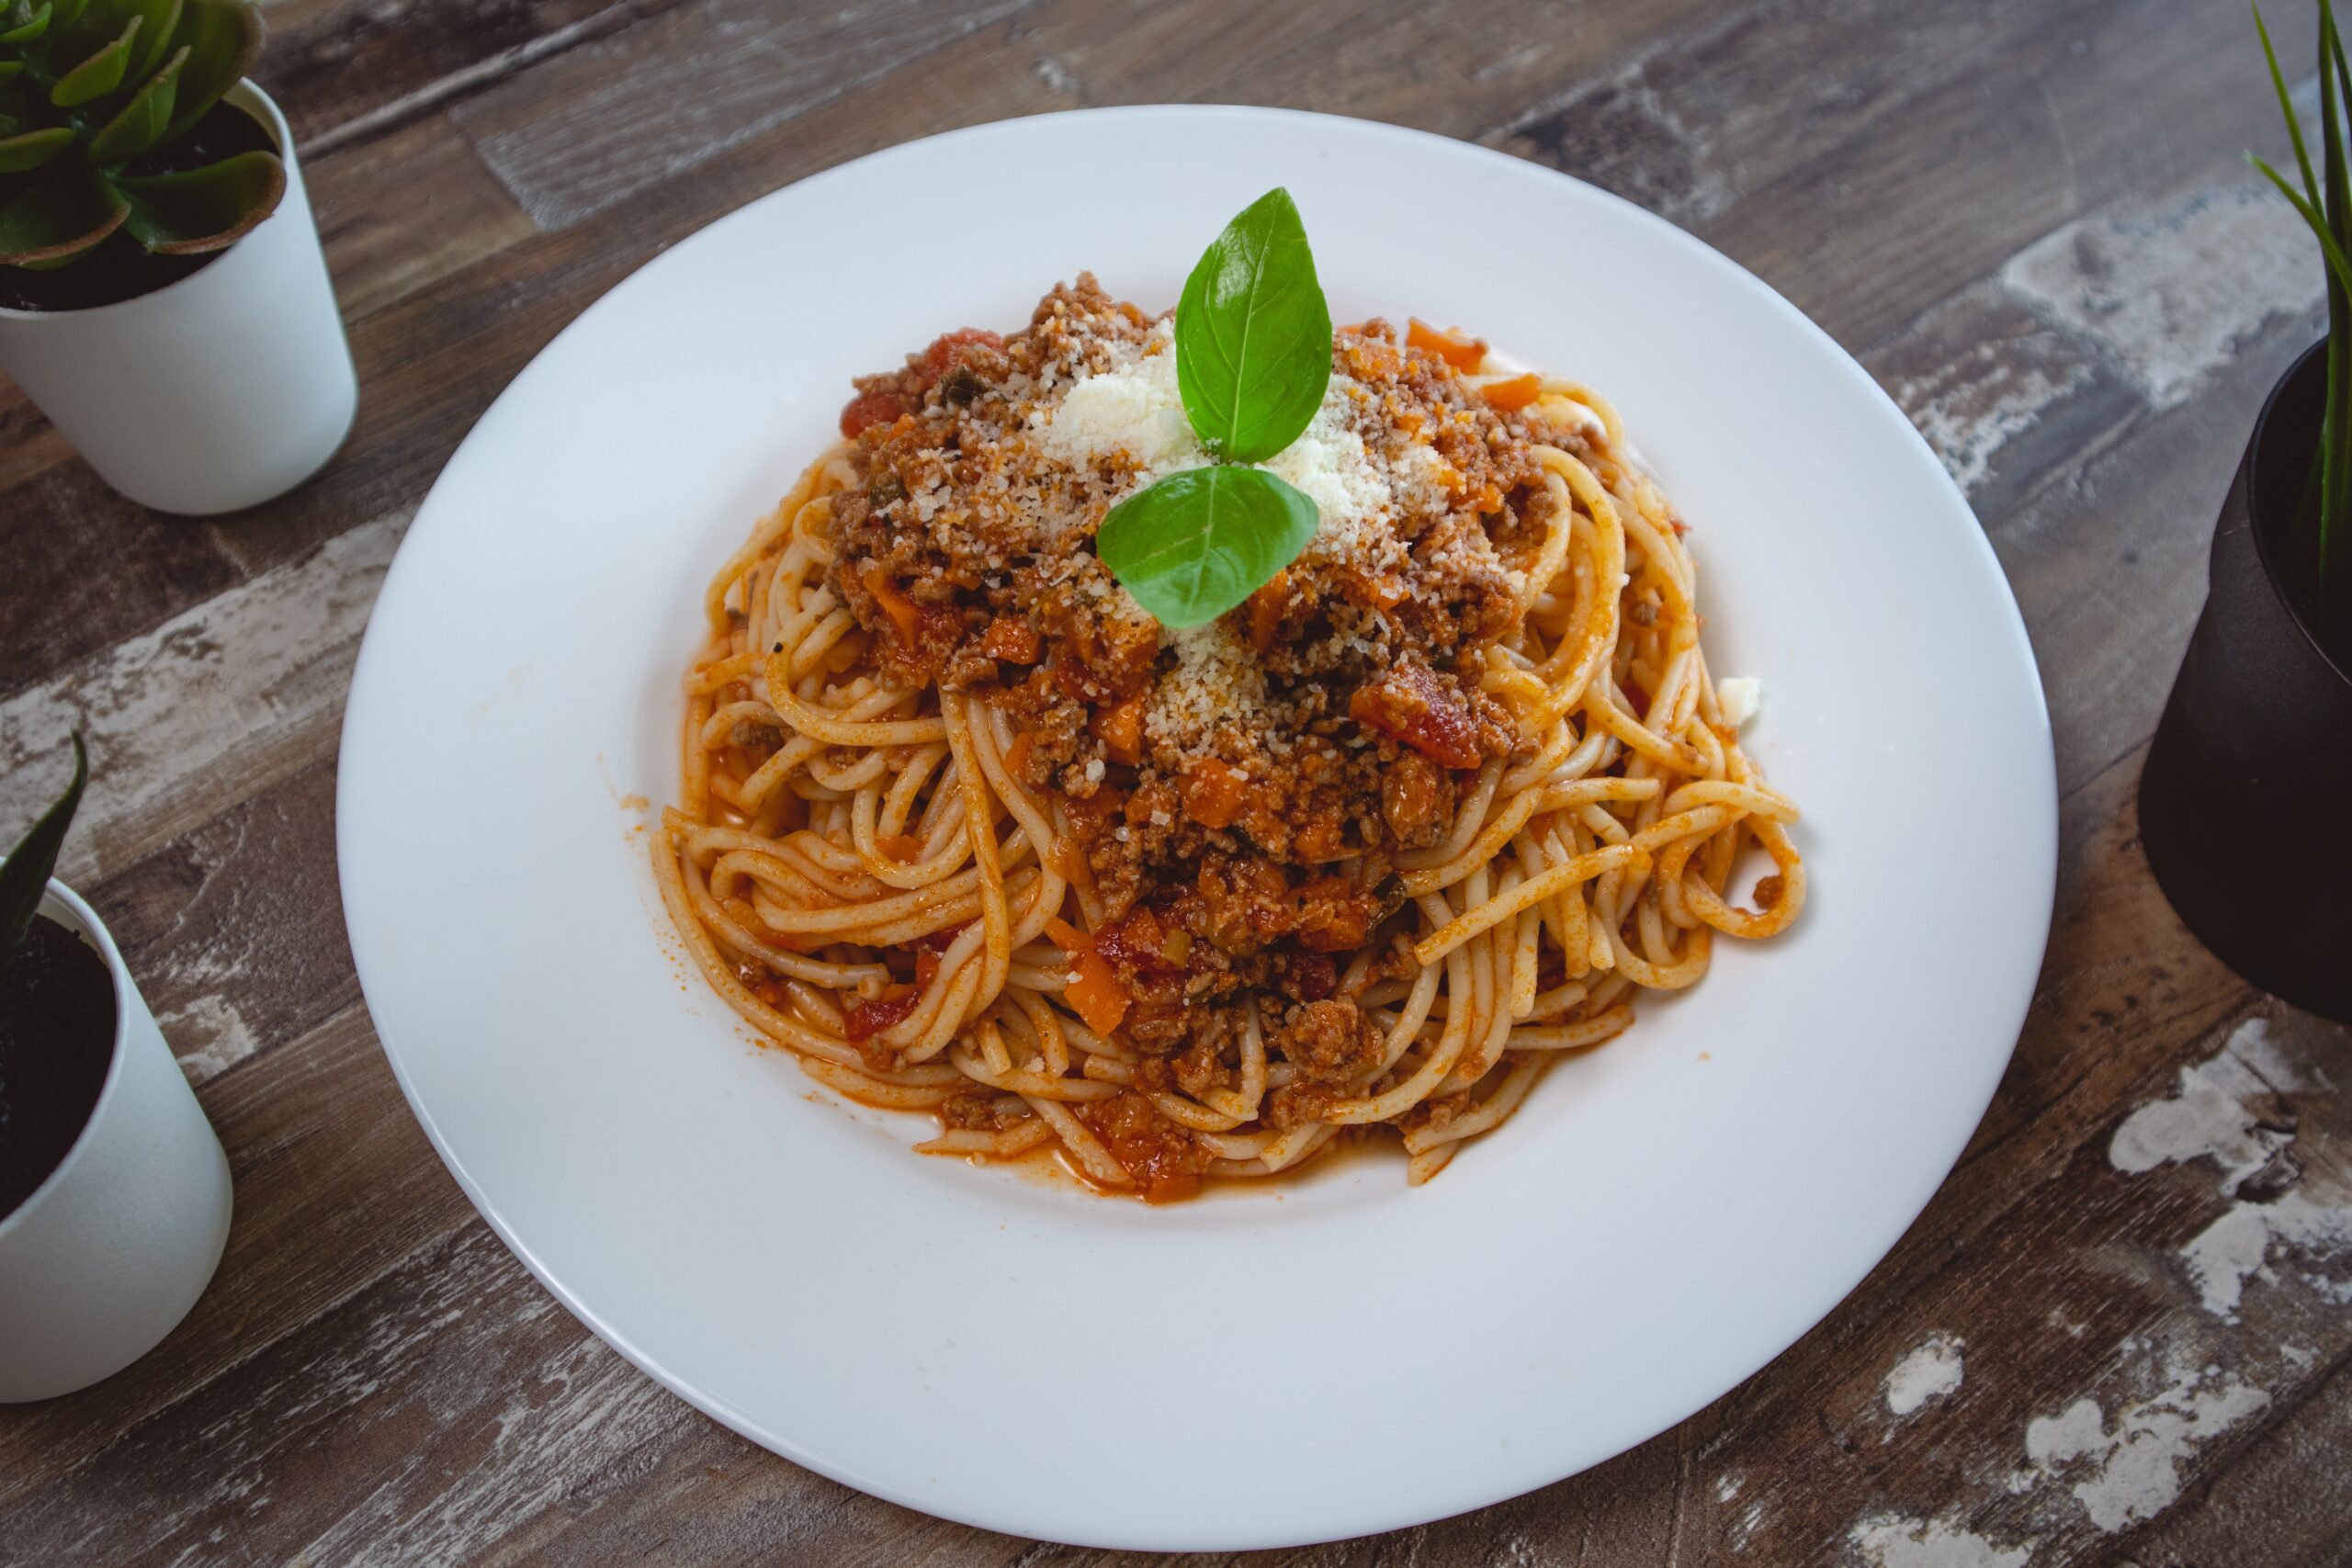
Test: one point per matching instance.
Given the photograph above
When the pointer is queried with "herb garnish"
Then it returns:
(1253, 357)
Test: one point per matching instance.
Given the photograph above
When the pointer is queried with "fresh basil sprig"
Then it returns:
(1253, 334)
(1199, 542)
(1253, 358)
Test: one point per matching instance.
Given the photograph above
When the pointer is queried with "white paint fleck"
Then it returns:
(2301, 1356)
(1933, 1370)
(1056, 76)
(1727, 1485)
(2129, 1470)
(1743, 1529)
(2058, 1319)
(2205, 1119)
(209, 1036)
(2236, 1248)
(2170, 289)
(1975, 404)
(2257, 1044)
(1892, 1540)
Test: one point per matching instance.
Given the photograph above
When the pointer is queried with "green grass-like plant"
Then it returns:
(93, 94)
(2322, 540)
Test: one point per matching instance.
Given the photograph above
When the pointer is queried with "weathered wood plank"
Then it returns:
(572, 137)
(335, 1185)
(186, 721)
(400, 212)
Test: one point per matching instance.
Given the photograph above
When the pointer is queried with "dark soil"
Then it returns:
(56, 1042)
(116, 270)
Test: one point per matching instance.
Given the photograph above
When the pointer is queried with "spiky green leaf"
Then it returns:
(141, 124)
(202, 210)
(100, 74)
(24, 876)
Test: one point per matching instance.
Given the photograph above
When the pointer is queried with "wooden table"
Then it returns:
(2029, 219)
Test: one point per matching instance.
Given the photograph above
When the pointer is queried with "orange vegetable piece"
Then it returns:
(1068, 937)
(1214, 793)
(1266, 610)
(1011, 638)
(1095, 994)
(1016, 756)
(1120, 729)
(1457, 349)
(904, 613)
(1515, 393)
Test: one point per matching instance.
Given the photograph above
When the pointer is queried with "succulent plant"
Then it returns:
(93, 94)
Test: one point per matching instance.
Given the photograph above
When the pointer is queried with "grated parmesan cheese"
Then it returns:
(1739, 696)
(1216, 678)
(1135, 408)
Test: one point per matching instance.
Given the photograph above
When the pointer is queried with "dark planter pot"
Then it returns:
(2243, 804)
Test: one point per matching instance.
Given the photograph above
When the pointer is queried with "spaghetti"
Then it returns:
(970, 834)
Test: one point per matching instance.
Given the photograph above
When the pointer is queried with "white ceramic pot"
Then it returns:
(229, 387)
(108, 1254)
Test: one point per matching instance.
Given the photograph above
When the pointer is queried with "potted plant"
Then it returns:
(114, 1194)
(2244, 799)
(163, 295)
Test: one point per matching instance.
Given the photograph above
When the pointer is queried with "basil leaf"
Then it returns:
(1197, 543)
(1253, 334)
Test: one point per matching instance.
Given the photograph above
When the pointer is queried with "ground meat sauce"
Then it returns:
(1240, 791)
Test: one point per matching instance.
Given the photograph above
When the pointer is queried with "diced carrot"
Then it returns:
(1214, 793)
(904, 613)
(1515, 393)
(1095, 993)
(1462, 352)
(900, 847)
(1120, 729)
(1011, 638)
(1016, 756)
(1068, 937)
(1266, 610)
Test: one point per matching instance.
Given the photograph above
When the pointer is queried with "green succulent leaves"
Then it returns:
(1253, 334)
(1253, 357)
(92, 95)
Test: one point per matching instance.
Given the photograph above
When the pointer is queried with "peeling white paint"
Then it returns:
(1974, 405)
(2128, 1471)
(1891, 1540)
(209, 1036)
(2171, 288)
(2237, 1246)
(1933, 1370)
(2206, 1118)
(217, 703)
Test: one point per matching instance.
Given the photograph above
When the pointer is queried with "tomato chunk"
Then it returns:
(866, 1019)
(1408, 702)
(868, 409)
(948, 349)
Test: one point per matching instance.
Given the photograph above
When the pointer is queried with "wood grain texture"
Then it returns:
(2027, 218)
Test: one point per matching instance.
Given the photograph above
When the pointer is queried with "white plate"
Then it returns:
(1266, 1366)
